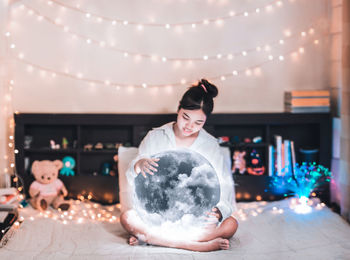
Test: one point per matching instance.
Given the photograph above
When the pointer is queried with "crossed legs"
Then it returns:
(214, 239)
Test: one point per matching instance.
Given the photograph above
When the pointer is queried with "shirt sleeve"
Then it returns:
(144, 151)
(227, 203)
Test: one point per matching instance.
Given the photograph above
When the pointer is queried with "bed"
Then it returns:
(267, 230)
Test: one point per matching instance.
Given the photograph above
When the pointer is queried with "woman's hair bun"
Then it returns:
(211, 89)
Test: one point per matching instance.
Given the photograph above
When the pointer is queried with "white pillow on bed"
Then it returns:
(125, 156)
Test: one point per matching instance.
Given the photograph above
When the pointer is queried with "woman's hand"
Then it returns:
(216, 213)
(146, 165)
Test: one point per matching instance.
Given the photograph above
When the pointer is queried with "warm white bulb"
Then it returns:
(88, 41)
(144, 85)
(21, 55)
(183, 81)
(206, 22)
(230, 56)
(79, 75)
(102, 44)
(125, 22)
(303, 34)
(12, 46)
(311, 31)
(126, 54)
(223, 78)
(49, 2)
(66, 29)
(140, 27)
(244, 53)
(258, 48)
(194, 25)
(270, 57)
(167, 26)
(7, 34)
(164, 59)
(219, 56)
(279, 3)
(281, 58)
(257, 10)
(99, 19)
(107, 82)
(235, 72)
(232, 13)
(40, 18)
(281, 42)
(246, 14)
(87, 15)
(114, 22)
(301, 50)
(316, 42)
(205, 57)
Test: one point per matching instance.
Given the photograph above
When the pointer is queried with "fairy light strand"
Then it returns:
(88, 14)
(248, 71)
(157, 57)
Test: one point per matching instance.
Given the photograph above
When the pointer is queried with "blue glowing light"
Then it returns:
(304, 179)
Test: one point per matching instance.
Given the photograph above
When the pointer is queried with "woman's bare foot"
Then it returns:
(133, 241)
(215, 244)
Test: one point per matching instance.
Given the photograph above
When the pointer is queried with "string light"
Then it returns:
(193, 24)
(247, 72)
(138, 56)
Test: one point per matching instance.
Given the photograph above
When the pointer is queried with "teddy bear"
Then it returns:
(47, 189)
(239, 163)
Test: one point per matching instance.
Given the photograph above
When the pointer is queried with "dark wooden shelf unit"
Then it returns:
(306, 130)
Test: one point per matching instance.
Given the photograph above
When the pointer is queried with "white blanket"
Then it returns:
(266, 231)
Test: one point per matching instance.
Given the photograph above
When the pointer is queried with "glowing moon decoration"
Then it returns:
(185, 184)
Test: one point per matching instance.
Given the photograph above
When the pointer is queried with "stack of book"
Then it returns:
(307, 101)
(8, 213)
(281, 157)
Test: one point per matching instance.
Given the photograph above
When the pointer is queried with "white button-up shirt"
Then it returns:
(163, 138)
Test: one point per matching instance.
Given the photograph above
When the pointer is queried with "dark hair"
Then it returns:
(199, 96)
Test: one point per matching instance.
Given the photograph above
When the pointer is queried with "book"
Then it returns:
(308, 102)
(278, 142)
(307, 93)
(287, 170)
(271, 160)
(313, 109)
(7, 227)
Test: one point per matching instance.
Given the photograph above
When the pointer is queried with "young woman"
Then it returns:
(187, 132)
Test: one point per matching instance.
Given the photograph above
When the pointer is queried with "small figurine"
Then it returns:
(88, 147)
(114, 170)
(68, 166)
(239, 163)
(256, 166)
(98, 146)
(64, 143)
(223, 139)
(257, 139)
(54, 146)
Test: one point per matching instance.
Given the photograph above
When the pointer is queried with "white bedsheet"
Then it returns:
(266, 233)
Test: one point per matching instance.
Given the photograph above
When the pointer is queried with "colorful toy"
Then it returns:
(68, 166)
(239, 162)
(47, 189)
(64, 143)
(256, 166)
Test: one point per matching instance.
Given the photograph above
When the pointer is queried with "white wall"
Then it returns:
(47, 45)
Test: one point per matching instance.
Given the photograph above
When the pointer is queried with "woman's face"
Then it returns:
(190, 122)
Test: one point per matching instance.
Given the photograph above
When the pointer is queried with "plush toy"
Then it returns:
(239, 163)
(256, 166)
(68, 166)
(47, 189)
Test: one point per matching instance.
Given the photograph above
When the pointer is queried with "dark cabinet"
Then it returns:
(34, 132)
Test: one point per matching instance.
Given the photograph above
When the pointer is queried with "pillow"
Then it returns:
(125, 156)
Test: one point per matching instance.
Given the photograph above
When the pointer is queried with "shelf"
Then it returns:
(104, 151)
(305, 130)
(49, 150)
(246, 145)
